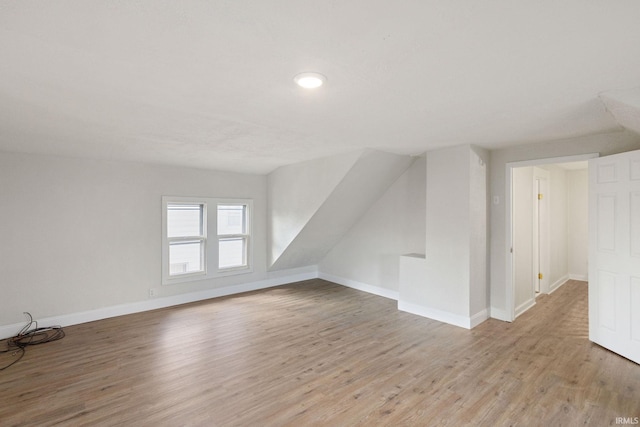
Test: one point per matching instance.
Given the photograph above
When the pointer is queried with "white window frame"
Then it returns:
(211, 239)
(202, 238)
(246, 236)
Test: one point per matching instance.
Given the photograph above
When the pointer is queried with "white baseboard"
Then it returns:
(478, 318)
(439, 315)
(580, 277)
(376, 290)
(561, 281)
(525, 306)
(500, 314)
(277, 279)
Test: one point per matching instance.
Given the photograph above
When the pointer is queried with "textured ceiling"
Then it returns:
(210, 83)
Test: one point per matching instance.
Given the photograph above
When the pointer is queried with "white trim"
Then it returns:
(565, 279)
(542, 235)
(499, 314)
(561, 281)
(295, 275)
(479, 317)
(439, 315)
(248, 247)
(210, 238)
(509, 310)
(510, 271)
(376, 290)
(554, 160)
(525, 306)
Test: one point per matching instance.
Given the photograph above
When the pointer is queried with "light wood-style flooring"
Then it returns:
(316, 353)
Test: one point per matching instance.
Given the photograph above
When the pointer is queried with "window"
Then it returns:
(232, 236)
(186, 237)
(188, 250)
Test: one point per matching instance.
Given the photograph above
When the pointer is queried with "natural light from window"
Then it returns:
(205, 238)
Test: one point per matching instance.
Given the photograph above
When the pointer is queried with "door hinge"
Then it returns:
(539, 196)
(540, 276)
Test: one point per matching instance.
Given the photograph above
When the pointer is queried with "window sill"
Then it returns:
(176, 280)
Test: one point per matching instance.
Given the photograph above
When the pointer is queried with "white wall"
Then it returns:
(296, 192)
(364, 183)
(448, 232)
(578, 230)
(524, 199)
(79, 235)
(558, 244)
(453, 287)
(522, 185)
(81, 239)
(394, 225)
(604, 144)
(478, 219)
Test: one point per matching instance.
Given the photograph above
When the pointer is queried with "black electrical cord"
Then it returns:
(14, 351)
(30, 334)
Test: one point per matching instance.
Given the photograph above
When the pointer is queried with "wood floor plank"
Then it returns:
(316, 353)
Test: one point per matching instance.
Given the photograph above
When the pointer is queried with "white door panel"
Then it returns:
(635, 314)
(635, 224)
(614, 253)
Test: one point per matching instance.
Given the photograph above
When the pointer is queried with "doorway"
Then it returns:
(538, 228)
(540, 231)
(530, 214)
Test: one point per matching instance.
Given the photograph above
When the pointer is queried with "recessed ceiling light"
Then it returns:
(310, 80)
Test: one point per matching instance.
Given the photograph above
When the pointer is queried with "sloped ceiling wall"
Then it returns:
(330, 206)
(624, 105)
(296, 192)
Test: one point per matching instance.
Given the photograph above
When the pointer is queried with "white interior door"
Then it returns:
(541, 230)
(544, 267)
(535, 238)
(614, 253)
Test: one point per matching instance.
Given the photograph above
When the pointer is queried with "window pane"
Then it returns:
(185, 257)
(184, 220)
(231, 219)
(232, 252)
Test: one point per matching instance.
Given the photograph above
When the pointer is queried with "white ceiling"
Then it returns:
(210, 83)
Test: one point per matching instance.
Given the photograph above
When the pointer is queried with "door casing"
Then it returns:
(509, 282)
